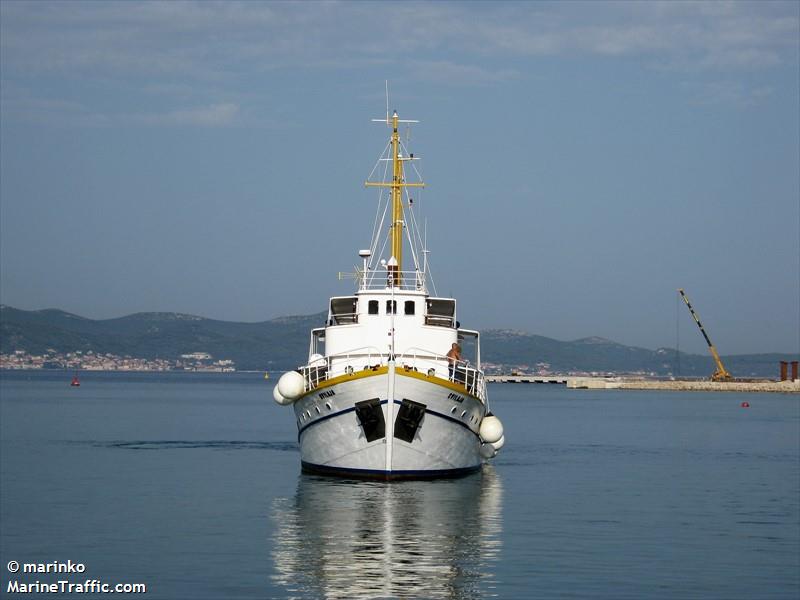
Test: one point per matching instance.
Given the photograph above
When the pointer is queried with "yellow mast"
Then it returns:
(397, 184)
(397, 197)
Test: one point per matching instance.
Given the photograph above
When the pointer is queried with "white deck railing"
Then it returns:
(328, 367)
(380, 280)
(461, 372)
(417, 359)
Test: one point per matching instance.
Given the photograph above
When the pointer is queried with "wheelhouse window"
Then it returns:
(440, 312)
(409, 307)
(344, 310)
(391, 307)
(372, 307)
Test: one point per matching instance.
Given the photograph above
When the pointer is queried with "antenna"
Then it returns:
(425, 250)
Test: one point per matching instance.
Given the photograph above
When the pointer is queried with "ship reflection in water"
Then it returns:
(431, 539)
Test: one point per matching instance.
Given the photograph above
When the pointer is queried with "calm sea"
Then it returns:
(190, 484)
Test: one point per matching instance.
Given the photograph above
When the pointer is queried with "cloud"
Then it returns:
(444, 71)
(735, 93)
(215, 115)
(22, 103)
(211, 52)
(205, 39)
(681, 34)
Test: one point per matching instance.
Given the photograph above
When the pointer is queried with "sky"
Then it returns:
(582, 160)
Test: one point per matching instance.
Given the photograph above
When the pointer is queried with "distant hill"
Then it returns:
(277, 344)
(515, 348)
(282, 343)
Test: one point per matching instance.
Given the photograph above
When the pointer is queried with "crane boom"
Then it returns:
(721, 373)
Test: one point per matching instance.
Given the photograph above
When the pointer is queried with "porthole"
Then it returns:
(463, 412)
(453, 410)
(328, 405)
(318, 410)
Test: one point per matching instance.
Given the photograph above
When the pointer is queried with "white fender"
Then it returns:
(491, 429)
(280, 399)
(499, 443)
(291, 385)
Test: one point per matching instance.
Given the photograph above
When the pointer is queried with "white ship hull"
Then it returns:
(386, 436)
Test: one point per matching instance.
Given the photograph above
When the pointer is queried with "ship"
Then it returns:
(393, 386)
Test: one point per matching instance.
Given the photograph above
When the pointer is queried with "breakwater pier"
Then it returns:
(557, 379)
(641, 383)
(631, 383)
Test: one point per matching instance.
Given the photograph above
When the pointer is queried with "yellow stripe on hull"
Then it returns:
(456, 387)
(370, 372)
(446, 383)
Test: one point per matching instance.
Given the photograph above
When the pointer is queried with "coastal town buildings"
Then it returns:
(91, 361)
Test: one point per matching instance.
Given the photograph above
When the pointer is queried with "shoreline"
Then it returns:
(625, 383)
(574, 382)
(633, 382)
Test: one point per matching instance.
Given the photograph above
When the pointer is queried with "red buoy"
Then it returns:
(745, 404)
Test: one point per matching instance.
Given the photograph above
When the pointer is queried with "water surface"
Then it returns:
(190, 483)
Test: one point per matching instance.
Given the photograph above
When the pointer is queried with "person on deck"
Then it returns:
(453, 357)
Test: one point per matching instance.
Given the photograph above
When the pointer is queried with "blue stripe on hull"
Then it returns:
(330, 416)
(387, 475)
(398, 402)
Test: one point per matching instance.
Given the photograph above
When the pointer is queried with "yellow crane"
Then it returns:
(721, 374)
